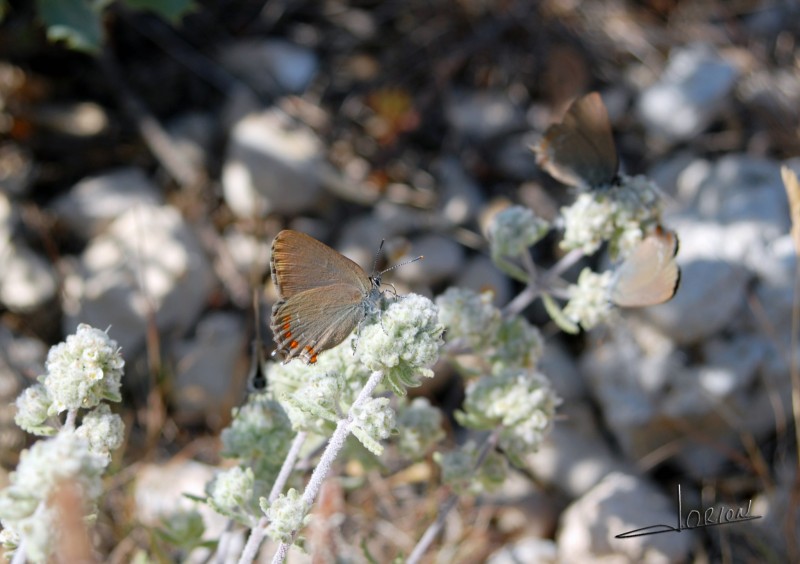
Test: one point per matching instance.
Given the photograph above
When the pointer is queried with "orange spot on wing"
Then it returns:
(294, 345)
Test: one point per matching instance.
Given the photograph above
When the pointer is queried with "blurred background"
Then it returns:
(148, 159)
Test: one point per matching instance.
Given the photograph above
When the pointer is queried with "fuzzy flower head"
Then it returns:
(589, 303)
(65, 458)
(287, 514)
(83, 370)
(404, 343)
(373, 421)
(103, 430)
(420, 427)
(620, 214)
(231, 493)
(521, 402)
(33, 406)
(517, 344)
(260, 434)
(514, 230)
(317, 405)
(468, 316)
(463, 473)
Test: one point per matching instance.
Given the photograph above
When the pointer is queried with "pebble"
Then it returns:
(482, 115)
(621, 502)
(147, 259)
(95, 201)
(272, 65)
(206, 367)
(689, 95)
(272, 165)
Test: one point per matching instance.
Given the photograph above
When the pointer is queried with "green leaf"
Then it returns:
(557, 315)
(170, 10)
(73, 21)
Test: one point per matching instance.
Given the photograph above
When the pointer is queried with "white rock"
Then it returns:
(743, 189)
(526, 550)
(482, 115)
(689, 95)
(27, 281)
(574, 457)
(248, 252)
(271, 65)
(461, 198)
(161, 490)
(91, 204)
(271, 166)
(148, 259)
(712, 293)
(207, 367)
(618, 504)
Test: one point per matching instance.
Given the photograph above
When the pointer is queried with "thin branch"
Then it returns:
(335, 445)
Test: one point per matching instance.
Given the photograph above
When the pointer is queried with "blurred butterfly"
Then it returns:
(580, 150)
(650, 275)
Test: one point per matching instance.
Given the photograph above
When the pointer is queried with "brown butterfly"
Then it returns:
(323, 296)
(650, 275)
(580, 150)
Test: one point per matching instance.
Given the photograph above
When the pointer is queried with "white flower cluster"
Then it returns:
(232, 493)
(83, 371)
(504, 343)
(621, 215)
(420, 427)
(25, 514)
(470, 318)
(521, 402)
(589, 302)
(514, 230)
(373, 421)
(259, 434)
(461, 471)
(405, 343)
(286, 514)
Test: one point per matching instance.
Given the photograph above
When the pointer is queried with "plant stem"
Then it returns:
(434, 528)
(335, 445)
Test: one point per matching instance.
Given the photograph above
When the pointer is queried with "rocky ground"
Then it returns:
(140, 190)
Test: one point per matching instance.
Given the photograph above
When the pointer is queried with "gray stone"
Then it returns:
(712, 294)
(94, 202)
(689, 95)
(147, 262)
(271, 65)
(461, 198)
(207, 367)
(272, 165)
(481, 115)
(574, 457)
(618, 504)
(526, 550)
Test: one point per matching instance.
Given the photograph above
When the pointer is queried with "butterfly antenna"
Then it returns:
(378, 254)
(420, 257)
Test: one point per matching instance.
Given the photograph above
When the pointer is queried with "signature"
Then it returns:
(696, 519)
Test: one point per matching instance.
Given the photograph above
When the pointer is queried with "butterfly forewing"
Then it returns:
(650, 275)
(296, 324)
(300, 262)
(580, 150)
